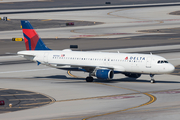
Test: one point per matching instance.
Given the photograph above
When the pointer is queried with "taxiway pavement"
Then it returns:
(76, 98)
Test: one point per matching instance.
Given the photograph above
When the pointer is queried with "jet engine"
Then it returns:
(104, 74)
(133, 75)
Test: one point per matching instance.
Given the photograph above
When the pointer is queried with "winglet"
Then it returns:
(31, 38)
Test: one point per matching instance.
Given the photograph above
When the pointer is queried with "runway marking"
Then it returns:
(144, 20)
(107, 34)
(52, 99)
(19, 94)
(152, 99)
(97, 97)
(100, 97)
(36, 103)
(99, 35)
(29, 99)
(110, 13)
(69, 73)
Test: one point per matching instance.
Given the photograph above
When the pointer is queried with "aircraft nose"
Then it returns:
(171, 68)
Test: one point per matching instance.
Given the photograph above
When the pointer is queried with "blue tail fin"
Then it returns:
(31, 38)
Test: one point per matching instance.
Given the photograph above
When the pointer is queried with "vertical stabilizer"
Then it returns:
(31, 38)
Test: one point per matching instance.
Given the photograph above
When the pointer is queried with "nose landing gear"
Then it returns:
(152, 78)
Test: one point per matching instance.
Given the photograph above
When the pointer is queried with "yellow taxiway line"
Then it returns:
(152, 99)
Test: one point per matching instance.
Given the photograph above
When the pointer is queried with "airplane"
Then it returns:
(102, 65)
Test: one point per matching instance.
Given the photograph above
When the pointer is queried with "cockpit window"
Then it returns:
(166, 61)
(162, 61)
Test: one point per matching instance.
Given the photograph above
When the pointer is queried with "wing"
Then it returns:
(86, 68)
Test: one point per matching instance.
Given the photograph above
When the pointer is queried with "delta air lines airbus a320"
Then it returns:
(102, 65)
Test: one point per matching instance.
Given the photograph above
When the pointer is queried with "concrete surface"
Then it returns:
(121, 98)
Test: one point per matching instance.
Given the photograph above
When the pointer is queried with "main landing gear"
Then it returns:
(89, 79)
(152, 78)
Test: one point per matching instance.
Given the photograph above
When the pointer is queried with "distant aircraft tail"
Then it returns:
(31, 38)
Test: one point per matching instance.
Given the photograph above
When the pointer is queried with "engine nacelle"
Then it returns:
(133, 75)
(104, 74)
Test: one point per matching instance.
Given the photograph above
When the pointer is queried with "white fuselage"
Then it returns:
(123, 62)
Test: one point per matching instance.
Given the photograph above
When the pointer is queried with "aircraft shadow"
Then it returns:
(62, 77)
(54, 77)
(105, 81)
(133, 80)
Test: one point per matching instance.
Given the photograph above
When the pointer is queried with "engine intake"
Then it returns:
(104, 74)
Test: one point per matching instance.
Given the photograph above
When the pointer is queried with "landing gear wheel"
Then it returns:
(89, 79)
(152, 78)
(152, 81)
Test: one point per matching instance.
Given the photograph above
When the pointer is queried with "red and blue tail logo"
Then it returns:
(31, 38)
